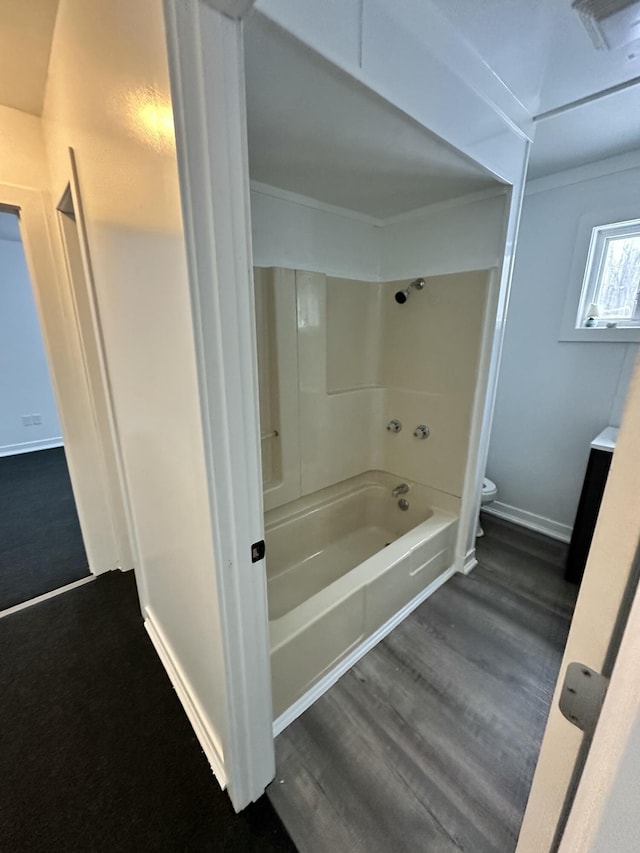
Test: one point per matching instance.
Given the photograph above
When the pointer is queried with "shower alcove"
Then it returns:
(351, 201)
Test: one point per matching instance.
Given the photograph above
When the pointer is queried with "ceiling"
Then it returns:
(539, 49)
(319, 133)
(543, 53)
(26, 33)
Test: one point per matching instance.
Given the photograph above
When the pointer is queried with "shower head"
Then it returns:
(403, 295)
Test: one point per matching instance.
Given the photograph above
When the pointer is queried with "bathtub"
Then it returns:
(340, 564)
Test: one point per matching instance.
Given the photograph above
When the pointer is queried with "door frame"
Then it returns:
(211, 140)
(79, 277)
(596, 789)
(72, 391)
(205, 52)
(575, 774)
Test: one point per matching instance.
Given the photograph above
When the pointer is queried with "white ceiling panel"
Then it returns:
(541, 50)
(584, 135)
(316, 132)
(543, 53)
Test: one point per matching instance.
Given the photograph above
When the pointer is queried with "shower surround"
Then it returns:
(338, 359)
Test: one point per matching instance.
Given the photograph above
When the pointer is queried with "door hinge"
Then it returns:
(258, 550)
(582, 696)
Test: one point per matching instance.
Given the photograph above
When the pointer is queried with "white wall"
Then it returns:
(457, 236)
(554, 397)
(298, 233)
(295, 232)
(22, 160)
(108, 97)
(25, 385)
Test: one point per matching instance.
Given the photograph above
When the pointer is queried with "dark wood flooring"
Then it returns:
(429, 743)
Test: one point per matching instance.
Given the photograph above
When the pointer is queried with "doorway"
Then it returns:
(41, 545)
(364, 460)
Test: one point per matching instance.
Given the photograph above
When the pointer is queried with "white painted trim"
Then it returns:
(330, 678)
(377, 222)
(307, 201)
(488, 370)
(470, 562)
(207, 82)
(600, 786)
(205, 58)
(588, 172)
(181, 684)
(30, 446)
(447, 204)
(46, 596)
(232, 8)
(530, 520)
(73, 236)
(63, 348)
(595, 217)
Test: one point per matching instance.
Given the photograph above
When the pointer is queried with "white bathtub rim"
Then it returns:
(344, 665)
(353, 485)
(287, 626)
(280, 518)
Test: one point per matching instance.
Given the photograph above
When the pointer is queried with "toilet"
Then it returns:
(489, 493)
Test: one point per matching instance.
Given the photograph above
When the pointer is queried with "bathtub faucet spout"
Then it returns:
(402, 489)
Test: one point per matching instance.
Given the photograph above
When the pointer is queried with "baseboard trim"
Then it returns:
(329, 679)
(46, 596)
(197, 718)
(524, 518)
(470, 562)
(30, 446)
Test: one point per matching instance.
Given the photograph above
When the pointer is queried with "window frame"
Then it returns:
(586, 270)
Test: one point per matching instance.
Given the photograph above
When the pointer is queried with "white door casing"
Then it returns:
(72, 388)
(207, 82)
(593, 640)
(75, 246)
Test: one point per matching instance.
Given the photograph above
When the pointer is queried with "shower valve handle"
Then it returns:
(394, 425)
(422, 431)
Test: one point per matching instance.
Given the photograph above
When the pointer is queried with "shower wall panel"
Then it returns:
(340, 358)
(277, 348)
(338, 427)
(429, 369)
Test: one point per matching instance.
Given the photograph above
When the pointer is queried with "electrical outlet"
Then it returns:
(36, 419)
(27, 420)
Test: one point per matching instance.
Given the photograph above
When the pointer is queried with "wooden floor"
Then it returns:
(430, 742)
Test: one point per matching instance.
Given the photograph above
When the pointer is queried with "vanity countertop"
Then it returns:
(606, 440)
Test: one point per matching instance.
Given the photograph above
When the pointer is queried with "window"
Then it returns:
(610, 297)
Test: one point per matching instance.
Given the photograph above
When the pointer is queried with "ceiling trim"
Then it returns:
(308, 201)
(447, 204)
(587, 172)
(588, 99)
(417, 213)
(235, 9)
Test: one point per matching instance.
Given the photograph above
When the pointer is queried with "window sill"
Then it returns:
(621, 334)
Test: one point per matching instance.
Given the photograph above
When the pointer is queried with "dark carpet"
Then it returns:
(96, 753)
(41, 546)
